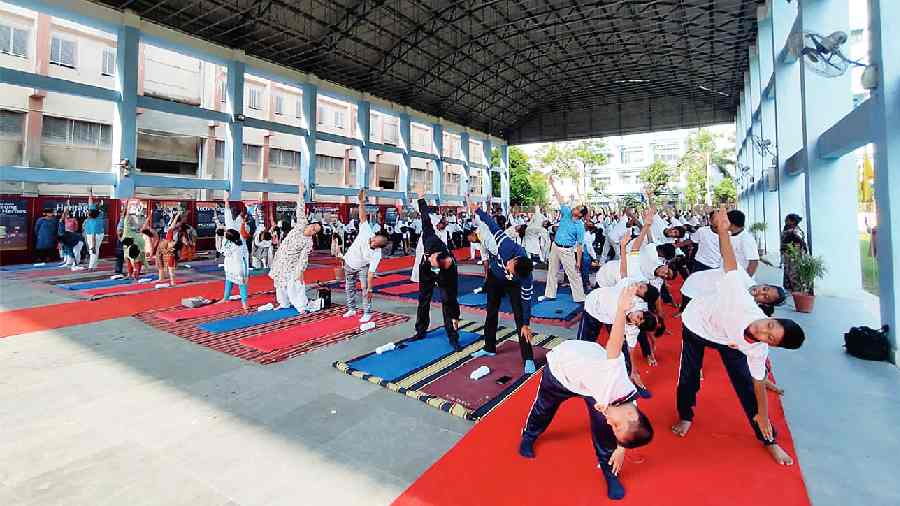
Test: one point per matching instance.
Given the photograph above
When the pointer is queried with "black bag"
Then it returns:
(868, 344)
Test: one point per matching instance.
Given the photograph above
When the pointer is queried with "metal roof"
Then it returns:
(524, 70)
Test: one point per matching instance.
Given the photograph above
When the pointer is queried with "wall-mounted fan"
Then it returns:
(822, 53)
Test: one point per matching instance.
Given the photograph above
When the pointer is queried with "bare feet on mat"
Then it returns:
(780, 455)
(773, 387)
(651, 360)
(681, 428)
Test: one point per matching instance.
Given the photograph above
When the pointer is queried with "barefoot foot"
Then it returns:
(780, 455)
(681, 428)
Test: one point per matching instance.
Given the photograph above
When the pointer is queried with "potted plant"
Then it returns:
(807, 268)
(757, 229)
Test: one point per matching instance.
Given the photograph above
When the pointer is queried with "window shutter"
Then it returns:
(67, 55)
(55, 50)
(5, 38)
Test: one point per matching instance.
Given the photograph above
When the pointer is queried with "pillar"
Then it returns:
(464, 145)
(771, 237)
(361, 150)
(234, 132)
(486, 173)
(34, 118)
(124, 128)
(308, 142)
(830, 183)
(406, 158)
(437, 175)
(504, 176)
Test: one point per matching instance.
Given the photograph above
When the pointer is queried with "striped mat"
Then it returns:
(415, 383)
(229, 342)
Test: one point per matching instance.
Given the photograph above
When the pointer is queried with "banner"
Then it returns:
(206, 214)
(13, 224)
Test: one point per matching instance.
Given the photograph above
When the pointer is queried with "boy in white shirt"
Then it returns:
(362, 257)
(599, 376)
(730, 322)
(746, 251)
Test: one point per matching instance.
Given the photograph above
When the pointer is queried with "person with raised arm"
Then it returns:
(237, 258)
(730, 321)
(566, 249)
(292, 258)
(361, 262)
(600, 377)
(437, 267)
(94, 228)
(510, 274)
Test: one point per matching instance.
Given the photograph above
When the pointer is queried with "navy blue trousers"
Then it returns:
(549, 397)
(589, 330)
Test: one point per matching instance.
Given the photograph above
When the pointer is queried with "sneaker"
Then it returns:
(349, 313)
(365, 318)
(477, 290)
(480, 262)
(482, 353)
(542, 298)
(530, 367)
(77, 268)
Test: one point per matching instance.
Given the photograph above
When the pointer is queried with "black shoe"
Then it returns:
(526, 448)
(614, 488)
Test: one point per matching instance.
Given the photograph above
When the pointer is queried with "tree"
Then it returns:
(656, 177)
(540, 188)
(695, 193)
(701, 151)
(725, 192)
(573, 161)
(527, 187)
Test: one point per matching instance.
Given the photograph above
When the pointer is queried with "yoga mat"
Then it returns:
(562, 308)
(29, 267)
(89, 285)
(137, 287)
(206, 268)
(404, 289)
(210, 309)
(293, 336)
(244, 321)
(417, 353)
(458, 387)
(719, 462)
(474, 300)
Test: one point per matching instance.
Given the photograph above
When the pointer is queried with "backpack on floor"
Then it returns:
(868, 344)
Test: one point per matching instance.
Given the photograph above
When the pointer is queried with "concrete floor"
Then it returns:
(118, 412)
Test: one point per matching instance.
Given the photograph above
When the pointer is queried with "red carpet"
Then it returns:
(293, 336)
(400, 289)
(719, 462)
(211, 309)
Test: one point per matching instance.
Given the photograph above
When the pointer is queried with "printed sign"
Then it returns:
(206, 218)
(13, 224)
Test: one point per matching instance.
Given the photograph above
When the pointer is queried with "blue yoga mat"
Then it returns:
(30, 267)
(561, 308)
(103, 283)
(207, 268)
(397, 363)
(241, 322)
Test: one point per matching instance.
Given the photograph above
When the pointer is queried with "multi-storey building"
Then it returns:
(48, 129)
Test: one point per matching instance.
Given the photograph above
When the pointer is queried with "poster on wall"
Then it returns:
(206, 218)
(13, 224)
(325, 214)
(285, 211)
(164, 211)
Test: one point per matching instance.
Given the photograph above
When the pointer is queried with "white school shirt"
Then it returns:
(359, 254)
(708, 252)
(745, 248)
(584, 368)
(703, 283)
(648, 260)
(722, 317)
(602, 303)
(609, 275)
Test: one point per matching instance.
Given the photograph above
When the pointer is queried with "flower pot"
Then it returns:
(804, 302)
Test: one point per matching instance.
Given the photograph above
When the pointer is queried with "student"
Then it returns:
(510, 274)
(94, 228)
(707, 255)
(237, 259)
(730, 322)
(599, 376)
(45, 236)
(72, 244)
(439, 224)
(705, 283)
(134, 258)
(437, 267)
(220, 233)
(599, 311)
(746, 251)
(262, 249)
(361, 263)
(566, 249)
(292, 258)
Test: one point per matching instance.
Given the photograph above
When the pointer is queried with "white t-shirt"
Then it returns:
(702, 283)
(708, 252)
(609, 275)
(648, 260)
(583, 368)
(359, 254)
(723, 316)
(602, 303)
(745, 248)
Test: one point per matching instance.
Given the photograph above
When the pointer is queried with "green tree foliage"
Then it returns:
(702, 150)
(695, 193)
(725, 192)
(573, 160)
(527, 187)
(656, 177)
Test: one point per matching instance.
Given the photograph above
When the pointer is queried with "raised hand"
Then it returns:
(626, 298)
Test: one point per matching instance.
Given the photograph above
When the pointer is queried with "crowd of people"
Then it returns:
(618, 264)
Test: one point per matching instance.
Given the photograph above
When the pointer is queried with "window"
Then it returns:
(109, 62)
(279, 104)
(320, 116)
(220, 150)
(223, 95)
(284, 158)
(633, 156)
(251, 153)
(391, 133)
(255, 99)
(299, 107)
(14, 41)
(330, 164)
(81, 133)
(62, 52)
(11, 123)
(339, 119)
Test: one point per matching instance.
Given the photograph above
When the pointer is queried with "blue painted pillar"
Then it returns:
(124, 132)
(464, 144)
(504, 176)
(758, 157)
(771, 237)
(308, 142)
(437, 175)
(830, 183)
(406, 159)
(486, 173)
(234, 134)
(787, 101)
(884, 49)
(361, 150)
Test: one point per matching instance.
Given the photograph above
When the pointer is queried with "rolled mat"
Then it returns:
(458, 387)
(400, 289)
(244, 321)
(209, 309)
(411, 356)
(293, 336)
